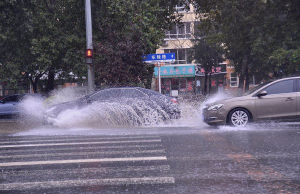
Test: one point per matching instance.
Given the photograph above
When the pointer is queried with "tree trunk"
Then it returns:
(209, 86)
(205, 84)
(247, 79)
(34, 84)
(243, 76)
(241, 84)
(50, 82)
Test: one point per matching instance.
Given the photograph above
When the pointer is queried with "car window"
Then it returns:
(286, 86)
(298, 85)
(106, 94)
(256, 88)
(150, 93)
(133, 93)
(14, 98)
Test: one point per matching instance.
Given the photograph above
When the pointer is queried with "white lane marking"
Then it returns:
(30, 155)
(80, 148)
(82, 161)
(76, 171)
(78, 143)
(79, 139)
(88, 182)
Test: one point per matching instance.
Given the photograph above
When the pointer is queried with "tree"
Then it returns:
(233, 20)
(252, 32)
(208, 55)
(120, 62)
(283, 58)
(46, 38)
(41, 39)
(126, 30)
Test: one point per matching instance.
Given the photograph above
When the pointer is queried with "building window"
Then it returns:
(182, 55)
(253, 80)
(179, 31)
(234, 80)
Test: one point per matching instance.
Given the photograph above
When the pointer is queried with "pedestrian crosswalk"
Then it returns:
(49, 162)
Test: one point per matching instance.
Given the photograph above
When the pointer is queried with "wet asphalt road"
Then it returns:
(262, 158)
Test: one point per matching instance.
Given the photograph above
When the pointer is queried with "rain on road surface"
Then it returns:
(262, 158)
(185, 156)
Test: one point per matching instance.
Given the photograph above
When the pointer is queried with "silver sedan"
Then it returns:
(275, 100)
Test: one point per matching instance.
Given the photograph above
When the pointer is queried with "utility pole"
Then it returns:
(89, 46)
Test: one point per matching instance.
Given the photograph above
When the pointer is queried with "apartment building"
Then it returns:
(184, 76)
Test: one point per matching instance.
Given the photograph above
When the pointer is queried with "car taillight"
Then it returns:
(174, 100)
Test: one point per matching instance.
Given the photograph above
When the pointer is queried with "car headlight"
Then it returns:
(215, 107)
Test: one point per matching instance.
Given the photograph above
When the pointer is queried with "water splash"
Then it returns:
(114, 114)
(32, 109)
(98, 115)
(65, 95)
(217, 97)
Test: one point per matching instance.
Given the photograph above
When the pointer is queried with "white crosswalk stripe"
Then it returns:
(87, 182)
(76, 143)
(72, 161)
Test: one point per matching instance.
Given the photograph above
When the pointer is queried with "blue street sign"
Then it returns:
(152, 58)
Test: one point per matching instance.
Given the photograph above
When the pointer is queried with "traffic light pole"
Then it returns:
(89, 45)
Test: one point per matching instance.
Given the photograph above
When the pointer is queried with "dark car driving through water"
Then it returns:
(146, 107)
(277, 100)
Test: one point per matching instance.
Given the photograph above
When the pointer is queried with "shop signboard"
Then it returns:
(219, 69)
(175, 71)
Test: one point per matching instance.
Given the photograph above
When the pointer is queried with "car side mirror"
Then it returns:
(262, 93)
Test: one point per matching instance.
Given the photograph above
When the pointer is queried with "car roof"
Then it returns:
(266, 84)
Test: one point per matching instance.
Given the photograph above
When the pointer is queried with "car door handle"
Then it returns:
(289, 99)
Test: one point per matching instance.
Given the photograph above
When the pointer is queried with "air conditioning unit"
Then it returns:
(164, 43)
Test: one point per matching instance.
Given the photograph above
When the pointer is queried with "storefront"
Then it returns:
(217, 78)
(178, 80)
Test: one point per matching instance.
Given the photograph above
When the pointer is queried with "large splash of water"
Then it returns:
(112, 114)
(119, 118)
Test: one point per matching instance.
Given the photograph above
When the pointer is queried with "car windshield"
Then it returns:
(256, 88)
(118, 93)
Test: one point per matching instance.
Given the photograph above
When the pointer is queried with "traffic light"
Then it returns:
(89, 53)
(89, 56)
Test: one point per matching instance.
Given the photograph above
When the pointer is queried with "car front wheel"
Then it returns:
(239, 117)
(150, 117)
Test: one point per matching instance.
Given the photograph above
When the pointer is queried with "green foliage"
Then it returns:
(208, 53)
(39, 37)
(124, 31)
(47, 38)
(285, 62)
(260, 37)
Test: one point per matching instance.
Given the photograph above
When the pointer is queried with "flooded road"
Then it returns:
(171, 158)
(182, 156)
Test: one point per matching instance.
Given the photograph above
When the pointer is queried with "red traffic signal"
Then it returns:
(89, 53)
